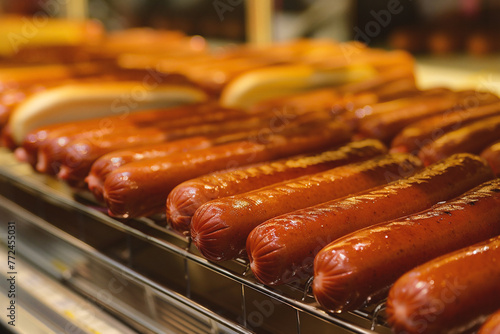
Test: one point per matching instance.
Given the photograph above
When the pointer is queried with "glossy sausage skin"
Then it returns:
(282, 249)
(96, 128)
(492, 155)
(220, 227)
(187, 197)
(361, 266)
(472, 138)
(127, 133)
(413, 137)
(388, 125)
(141, 188)
(77, 157)
(452, 293)
(404, 104)
(111, 161)
(34, 140)
(491, 325)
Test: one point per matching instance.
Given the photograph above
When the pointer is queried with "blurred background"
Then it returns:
(455, 42)
(420, 26)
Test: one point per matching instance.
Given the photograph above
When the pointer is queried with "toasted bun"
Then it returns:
(275, 81)
(91, 100)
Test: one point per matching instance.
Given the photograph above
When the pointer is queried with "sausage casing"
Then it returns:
(471, 138)
(141, 188)
(388, 125)
(187, 197)
(283, 248)
(111, 161)
(77, 156)
(451, 293)
(220, 227)
(361, 266)
(413, 137)
(96, 128)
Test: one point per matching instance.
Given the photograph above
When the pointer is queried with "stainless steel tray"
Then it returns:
(148, 276)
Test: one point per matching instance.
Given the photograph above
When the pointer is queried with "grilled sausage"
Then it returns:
(450, 294)
(152, 128)
(386, 126)
(96, 128)
(472, 138)
(220, 227)
(111, 161)
(28, 150)
(77, 157)
(282, 249)
(187, 197)
(141, 188)
(405, 104)
(413, 137)
(491, 325)
(492, 155)
(361, 266)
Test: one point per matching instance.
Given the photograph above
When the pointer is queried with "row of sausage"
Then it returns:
(353, 184)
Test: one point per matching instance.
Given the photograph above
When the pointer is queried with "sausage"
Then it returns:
(450, 294)
(413, 137)
(96, 128)
(282, 249)
(220, 227)
(76, 158)
(64, 131)
(77, 149)
(361, 266)
(86, 147)
(471, 138)
(33, 140)
(491, 325)
(187, 197)
(111, 161)
(141, 188)
(403, 104)
(492, 155)
(385, 126)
